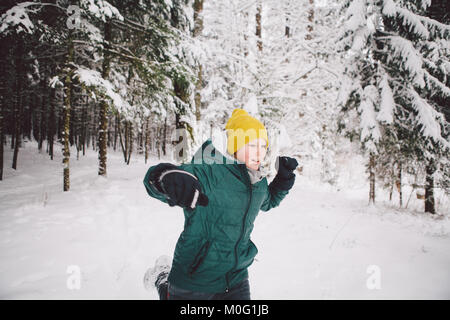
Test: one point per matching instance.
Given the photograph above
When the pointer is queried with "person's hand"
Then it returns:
(180, 187)
(285, 178)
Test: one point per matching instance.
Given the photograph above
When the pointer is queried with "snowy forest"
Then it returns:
(91, 92)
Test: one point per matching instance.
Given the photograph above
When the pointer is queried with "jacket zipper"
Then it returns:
(241, 235)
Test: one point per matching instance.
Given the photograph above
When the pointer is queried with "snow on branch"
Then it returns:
(434, 82)
(16, 18)
(387, 104)
(102, 9)
(429, 118)
(405, 51)
(356, 15)
(442, 29)
(55, 82)
(370, 132)
(93, 79)
(409, 19)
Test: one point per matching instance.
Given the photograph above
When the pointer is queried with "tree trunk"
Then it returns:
(115, 131)
(158, 141)
(43, 114)
(127, 140)
(399, 184)
(198, 27)
(124, 150)
(104, 105)
(51, 123)
(310, 28)
(3, 93)
(287, 12)
(146, 139)
(429, 188)
(372, 178)
(141, 138)
(164, 137)
(130, 141)
(84, 125)
(245, 34)
(18, 101)
(258, 25)
(2, 96)
(67, 109)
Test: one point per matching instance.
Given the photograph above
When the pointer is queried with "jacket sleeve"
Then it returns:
(273, 198)
(152, 190)
(202, 172)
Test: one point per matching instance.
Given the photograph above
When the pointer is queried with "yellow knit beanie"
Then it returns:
(243, 128)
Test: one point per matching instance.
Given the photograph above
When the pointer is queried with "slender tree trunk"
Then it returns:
(198, 28)
(164, 137)
(246, 34)
(158, 141)
(130, 142)
(13, 133)
(310, 27)
(18, 101)
(67, 110)
(115, 131)
(104, 105)
(198, 97)
(44, 93)
(3, 92)
(84, 124)
(429, 188)
(399, 184)
(2, 95)
(258, 25)
(287, 13)
(147, 138)
(51, 123)
(372, 178)
(126, 136)
(141, 138)
(391, 190)
(120, 138)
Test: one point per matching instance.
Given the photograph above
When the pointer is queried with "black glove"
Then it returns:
(180, 187)
(285, 178)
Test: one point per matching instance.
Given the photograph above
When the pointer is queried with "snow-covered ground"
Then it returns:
(320, 243)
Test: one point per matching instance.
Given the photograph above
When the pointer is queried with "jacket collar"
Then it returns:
(214, 150)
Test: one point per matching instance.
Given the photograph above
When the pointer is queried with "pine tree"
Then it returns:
(393, 51)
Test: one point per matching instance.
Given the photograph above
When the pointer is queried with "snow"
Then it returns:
(368, 125)
(405, 50)
(252, 105)
(389, 8)
(17, 18)
(413, 22)
(386, 113)
(428, 118)
(355, 15)
(55, 82)
(410, 20)
(102, 9)
(93, 78)
(320, 243)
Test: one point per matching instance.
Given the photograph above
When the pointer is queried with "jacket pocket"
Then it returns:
(199, 258)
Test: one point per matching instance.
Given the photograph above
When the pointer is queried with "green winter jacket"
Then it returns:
(214, 250)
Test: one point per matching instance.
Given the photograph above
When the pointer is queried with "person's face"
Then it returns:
(252, 153)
